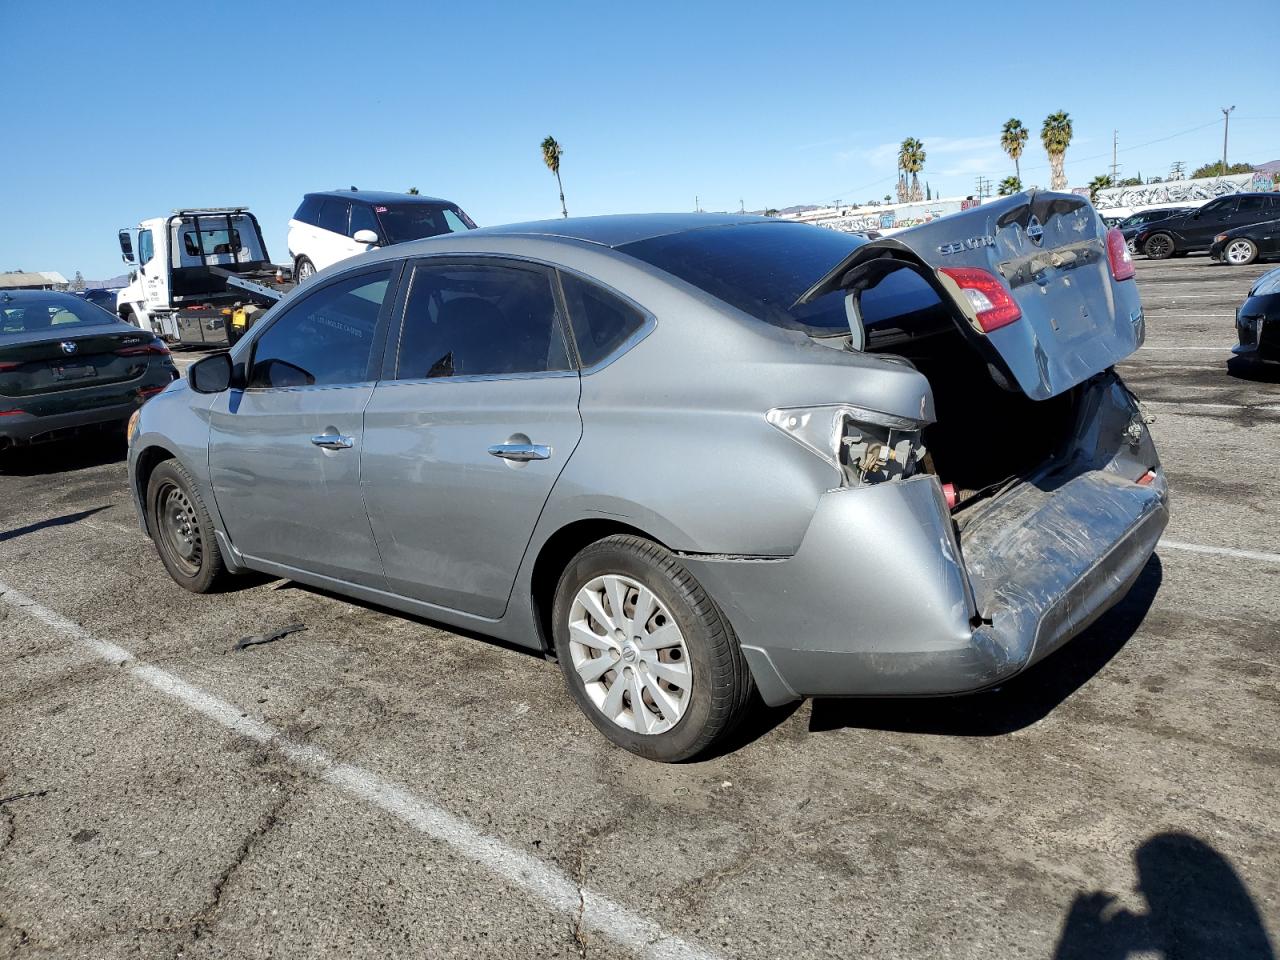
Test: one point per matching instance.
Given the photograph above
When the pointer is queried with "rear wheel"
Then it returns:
(182, 530)
(1159, 247)
(1240, 252)
(646, 654)
(304, 269)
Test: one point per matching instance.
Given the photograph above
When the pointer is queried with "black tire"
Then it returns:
(298, 269)
(182, 530)
(1244, 243)
(1159, 246)
(721, 684)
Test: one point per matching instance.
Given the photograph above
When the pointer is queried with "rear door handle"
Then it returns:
(521, 452)
(332, 441)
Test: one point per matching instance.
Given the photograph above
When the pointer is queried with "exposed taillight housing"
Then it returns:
(992, 304)
(1118, 255)
(158, 347)
(865, 446)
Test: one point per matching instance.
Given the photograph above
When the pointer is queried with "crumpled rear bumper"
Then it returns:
(883, 599)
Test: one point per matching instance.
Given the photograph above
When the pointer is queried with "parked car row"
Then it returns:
(1214, 226)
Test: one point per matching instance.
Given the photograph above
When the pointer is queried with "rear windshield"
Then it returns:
(54, 314)
(763, 268)
(402, 222)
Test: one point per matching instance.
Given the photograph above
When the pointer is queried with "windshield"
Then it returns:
(402, 222)
(54, 314)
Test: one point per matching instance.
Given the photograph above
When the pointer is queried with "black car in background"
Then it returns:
(1258, 323)
(1194, 231)
(100, 296)
(1131, 225)
(1244, 245)
(67, 365)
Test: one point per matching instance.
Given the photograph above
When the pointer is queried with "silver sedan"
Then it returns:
(699, 460)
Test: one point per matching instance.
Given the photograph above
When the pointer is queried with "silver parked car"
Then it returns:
(691, 456)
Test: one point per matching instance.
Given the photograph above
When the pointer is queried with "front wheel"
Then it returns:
(182, 530)
(1240, 252)
(1159, 247)
(646, 654)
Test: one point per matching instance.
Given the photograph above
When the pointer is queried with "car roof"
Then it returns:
(377, 196)
(20, 295)
(616, 230)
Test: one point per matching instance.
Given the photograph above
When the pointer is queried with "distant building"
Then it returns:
(43, 280)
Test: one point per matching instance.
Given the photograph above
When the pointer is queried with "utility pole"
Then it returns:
(1115, 167)
(982, 187)
(1226, 123)
(697, 208)
(1176, 171)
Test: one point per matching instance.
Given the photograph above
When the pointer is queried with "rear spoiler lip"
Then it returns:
(832, 280)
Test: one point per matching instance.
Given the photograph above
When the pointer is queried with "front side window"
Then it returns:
(1219, 208)
(334, 215)
(601, 321)
(480, 319)
(362, 218)
(326, 339)
(402, 222)
(1253, 204)
(146, 247)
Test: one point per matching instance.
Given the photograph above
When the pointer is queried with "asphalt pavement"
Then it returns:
(376, 786)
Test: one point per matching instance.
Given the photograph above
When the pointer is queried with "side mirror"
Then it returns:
(365, 236)
(211, 375)
(126, 246)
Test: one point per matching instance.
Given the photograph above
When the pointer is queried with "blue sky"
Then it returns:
(120, 111)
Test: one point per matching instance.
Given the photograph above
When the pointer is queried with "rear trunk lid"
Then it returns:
(1049, 252)
(94, 356)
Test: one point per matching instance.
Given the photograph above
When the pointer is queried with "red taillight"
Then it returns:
(154, 346)
(9, 365)
(1118, 254)
(13, 413)
(989, 297)
(145, 392)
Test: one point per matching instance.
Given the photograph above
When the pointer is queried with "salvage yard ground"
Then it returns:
(374, 786)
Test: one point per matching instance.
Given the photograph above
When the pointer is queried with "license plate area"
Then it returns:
(81, 372)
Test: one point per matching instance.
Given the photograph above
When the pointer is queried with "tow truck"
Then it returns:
(202, 276)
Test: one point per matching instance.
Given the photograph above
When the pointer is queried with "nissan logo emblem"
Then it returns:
(1034, 231)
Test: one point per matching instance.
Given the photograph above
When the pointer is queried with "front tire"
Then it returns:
(182, 530)
(1159, 247)
(1240, 252)
(646, 654)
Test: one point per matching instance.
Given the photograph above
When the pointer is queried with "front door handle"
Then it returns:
(520, 452)
(332, 441)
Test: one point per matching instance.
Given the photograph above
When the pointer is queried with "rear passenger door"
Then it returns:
(465, 436)
(1210, 220)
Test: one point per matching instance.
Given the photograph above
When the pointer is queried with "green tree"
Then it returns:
(1009, 186)
(1215, 169)
(1101, 182)
(911, 158)
(770, 212)
(1013, 138)
(551, 153)
(1055, 134)
(412, 191)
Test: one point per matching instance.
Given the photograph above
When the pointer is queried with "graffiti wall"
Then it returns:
(896, 218)
(1181, 191)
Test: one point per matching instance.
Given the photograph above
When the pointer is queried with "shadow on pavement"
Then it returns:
(89, 450)
(61, 521)
(1021, 702)
(1253, 371)
(1198, 908)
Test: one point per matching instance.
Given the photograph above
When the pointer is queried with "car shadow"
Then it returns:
(1253, 371)
(61, 521)
(1198, 908)
(1019, 703)
(62, 456)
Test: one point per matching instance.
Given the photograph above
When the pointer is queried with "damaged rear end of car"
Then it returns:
(966, 539)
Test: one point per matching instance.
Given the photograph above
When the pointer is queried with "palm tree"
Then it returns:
(1013, 138)
(911, 160)
(1056, 137)
(412, 191)
(1009, 186)
(1100, 182)
(551, 153)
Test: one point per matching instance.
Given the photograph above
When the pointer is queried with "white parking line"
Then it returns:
(1221, 551)
(543, 881)
(1216, 347)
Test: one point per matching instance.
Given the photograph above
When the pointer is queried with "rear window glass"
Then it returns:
(53, 314)
(760, 268)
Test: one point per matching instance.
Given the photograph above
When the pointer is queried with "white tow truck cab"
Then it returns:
(200, 275)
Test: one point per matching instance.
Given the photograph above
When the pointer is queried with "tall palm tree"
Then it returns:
(911, 160)
(551, 152)
(1009, 186)
(1056, 137)
(1013, 137)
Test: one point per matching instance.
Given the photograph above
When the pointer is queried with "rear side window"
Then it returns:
(480, 319)
(309, 210)
(334, 215)
(362, 218)
(601, 321)
(326, 339)
(1254, 204)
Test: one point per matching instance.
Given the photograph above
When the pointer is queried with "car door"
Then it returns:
(466, 436)
(332, 240)
(284, 451)
(1253, 208)
(1207, 222)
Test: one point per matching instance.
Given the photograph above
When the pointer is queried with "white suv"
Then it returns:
(332, 226)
